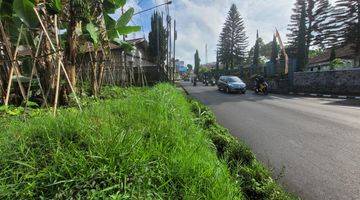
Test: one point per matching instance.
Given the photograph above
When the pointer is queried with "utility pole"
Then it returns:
(175, 38)
(206, 54)
(168, 31)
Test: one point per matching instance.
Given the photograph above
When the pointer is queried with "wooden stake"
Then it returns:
(58, 69)
(14, 63)
(34, 72)
(59, 61)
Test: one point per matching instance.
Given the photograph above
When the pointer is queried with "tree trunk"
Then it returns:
(71, 50)
(94, 75)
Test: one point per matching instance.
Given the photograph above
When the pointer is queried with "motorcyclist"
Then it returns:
(194, 80)
(258, 81)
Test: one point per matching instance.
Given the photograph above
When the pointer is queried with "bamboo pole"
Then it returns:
(58, 69)
(61, 63)
(14, 64)
(35, 72)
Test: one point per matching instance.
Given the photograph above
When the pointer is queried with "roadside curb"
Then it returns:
(324, 95)
(183, 88)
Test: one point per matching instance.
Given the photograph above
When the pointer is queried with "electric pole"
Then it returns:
(175, 38)
(206, 54)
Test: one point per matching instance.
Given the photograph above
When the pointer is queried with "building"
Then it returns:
(322, 61)
(180, 67)
(123, 68)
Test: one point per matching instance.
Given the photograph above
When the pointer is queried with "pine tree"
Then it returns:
(323, 25)
(274, 51)
(233, 40)
(347, 24)
(196, 62)
(332, 54)
(301, 53)
(217, 60)
(256, 51)
(317, 22)
(157, 40)
(294, 23)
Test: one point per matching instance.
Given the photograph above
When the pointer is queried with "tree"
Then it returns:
(301, 51)
(347, 24)
(323, 27)
(233, 40)
(332, 54)
(189, 67)
(197, 62)
(274, 51)
(317, 17)
(157, 40)
(256, 51)
(293, 27)
(83, 22)
(217, 67)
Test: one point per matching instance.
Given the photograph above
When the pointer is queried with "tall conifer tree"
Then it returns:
(157, 40)
(301, 47)
(233, 40)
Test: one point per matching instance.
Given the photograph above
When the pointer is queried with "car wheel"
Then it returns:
(227, 90)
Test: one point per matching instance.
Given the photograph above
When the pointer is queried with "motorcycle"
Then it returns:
(194, 82)
(262, 88)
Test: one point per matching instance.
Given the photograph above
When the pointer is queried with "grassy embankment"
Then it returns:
(139, 143)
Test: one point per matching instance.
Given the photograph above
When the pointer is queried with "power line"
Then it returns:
(167, 3)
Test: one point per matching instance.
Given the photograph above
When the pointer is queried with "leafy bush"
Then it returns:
(238, 154)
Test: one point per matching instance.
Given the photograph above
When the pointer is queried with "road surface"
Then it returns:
(315, 140)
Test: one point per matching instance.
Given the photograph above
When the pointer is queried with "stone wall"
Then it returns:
(341, 82)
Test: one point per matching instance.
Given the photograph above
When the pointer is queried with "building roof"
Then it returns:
(138, 42)
(345, 52)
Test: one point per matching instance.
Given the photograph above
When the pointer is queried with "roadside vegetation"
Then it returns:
(134, 143)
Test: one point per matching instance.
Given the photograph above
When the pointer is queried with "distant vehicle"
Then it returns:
(261, 86)
(231, 84)
(210, 81)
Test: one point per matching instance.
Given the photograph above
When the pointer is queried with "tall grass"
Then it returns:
(142, 144)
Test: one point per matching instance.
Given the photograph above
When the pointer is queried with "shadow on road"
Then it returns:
(212, 96)
(345, 102)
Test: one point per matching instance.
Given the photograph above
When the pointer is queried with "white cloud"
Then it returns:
(200, 22)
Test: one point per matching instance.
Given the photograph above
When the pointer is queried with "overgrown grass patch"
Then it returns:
(139, 144)
(251, 176)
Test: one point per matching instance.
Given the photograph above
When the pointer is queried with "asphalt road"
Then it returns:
(316, 141)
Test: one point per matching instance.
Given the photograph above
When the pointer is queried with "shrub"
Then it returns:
(238, 154)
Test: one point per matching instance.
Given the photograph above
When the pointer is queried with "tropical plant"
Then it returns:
(48, 27)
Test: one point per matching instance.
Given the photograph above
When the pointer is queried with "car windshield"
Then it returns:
(234, 79)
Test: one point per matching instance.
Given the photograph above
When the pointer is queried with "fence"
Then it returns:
(341, 82)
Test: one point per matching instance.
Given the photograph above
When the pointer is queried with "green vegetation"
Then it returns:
(136, 143)
(251, 176)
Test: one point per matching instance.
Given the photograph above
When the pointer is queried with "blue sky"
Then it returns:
(199, 22)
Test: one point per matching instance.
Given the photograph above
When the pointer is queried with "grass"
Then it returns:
(136, 143)
(141, 144)
(250, 175)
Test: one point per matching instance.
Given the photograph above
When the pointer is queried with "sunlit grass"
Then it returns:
(141, 144)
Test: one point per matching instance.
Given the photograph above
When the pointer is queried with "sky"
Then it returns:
(199, 22)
